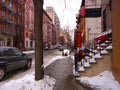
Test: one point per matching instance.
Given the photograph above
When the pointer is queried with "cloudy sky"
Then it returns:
(66, 10)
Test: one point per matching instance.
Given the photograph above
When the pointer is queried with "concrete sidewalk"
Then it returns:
(101, 65)
(61, 71)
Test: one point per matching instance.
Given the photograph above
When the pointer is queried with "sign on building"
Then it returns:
(92, 12)
(78, 39)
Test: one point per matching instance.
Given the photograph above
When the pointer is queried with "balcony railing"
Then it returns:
(4, 5)
(9, 21)
(4, 31)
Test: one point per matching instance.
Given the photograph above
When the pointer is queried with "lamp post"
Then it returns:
(75, 39)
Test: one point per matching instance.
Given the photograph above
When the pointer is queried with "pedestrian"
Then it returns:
(76, 61)
(83, 54)
(80, 55)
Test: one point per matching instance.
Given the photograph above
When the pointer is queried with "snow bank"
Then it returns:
(109, 47)
(29, 52)
(28, 83)
(98, 56)
(104, 52)
(103, 81)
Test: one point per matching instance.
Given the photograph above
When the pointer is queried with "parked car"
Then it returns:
(65, 52)
(61, 48)
(12, 58)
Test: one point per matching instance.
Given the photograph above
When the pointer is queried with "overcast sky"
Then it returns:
(66, 10)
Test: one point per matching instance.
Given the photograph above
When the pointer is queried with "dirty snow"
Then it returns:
(28, 83)
(103, 81)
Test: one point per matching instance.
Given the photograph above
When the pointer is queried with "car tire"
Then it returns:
(29, 64)
(2, 73)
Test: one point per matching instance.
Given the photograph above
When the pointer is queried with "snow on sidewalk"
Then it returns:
(28, 83)
(103, 81)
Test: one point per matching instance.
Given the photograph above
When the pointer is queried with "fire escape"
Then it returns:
(12, 20)
(6, 22)
(19, 19)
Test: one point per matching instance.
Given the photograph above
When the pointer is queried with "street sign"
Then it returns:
(78, 39)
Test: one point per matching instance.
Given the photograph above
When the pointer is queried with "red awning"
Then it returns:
(103, 35)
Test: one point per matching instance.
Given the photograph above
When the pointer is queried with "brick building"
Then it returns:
(49, 31)
(29, 25)
(55, 19)
(12, 23)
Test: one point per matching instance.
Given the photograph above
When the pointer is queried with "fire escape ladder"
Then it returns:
(10, 15)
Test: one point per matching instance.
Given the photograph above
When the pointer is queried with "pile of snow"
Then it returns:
(104, 52)
(80, 66)
(103, 44)
(87, 57)
(103, 81)
(98, 56)
(87, 64)
(92, 60)
(74, 72)
(54, 59)
(91, 54)
(95, 51)
(29, 52)
(28, 83)
(109, 47)
(72, 57)
(99, 48)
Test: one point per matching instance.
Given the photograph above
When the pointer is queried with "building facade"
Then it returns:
(92, 21)
(49, 31)
(55, 21)
(65, 38)
(29, 25)
(12, 23)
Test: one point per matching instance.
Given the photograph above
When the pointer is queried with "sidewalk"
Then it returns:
(101, 65)
(62, 71)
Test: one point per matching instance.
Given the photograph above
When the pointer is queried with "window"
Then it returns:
(0, 42)
(26, 43)
(10, 4)
(26, 34)
(8, 42)
(104, 20)
(8, 52)
(31, 44)
(17, 52)
(3, 0)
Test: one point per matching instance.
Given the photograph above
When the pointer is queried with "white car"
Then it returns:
(66, 52)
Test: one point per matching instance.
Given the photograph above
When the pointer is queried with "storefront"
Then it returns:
(106, 35)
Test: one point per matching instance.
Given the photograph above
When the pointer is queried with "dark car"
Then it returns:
(12, 58)
(61, 48)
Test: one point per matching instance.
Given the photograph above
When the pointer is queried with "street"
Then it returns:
(16, 74)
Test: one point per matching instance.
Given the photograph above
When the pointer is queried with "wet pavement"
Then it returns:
(61, 70)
